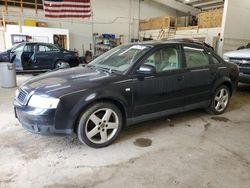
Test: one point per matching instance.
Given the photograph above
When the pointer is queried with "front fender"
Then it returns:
(72, 105)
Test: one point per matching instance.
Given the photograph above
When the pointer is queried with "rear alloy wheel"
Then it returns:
(99, 125)
(220, 100)
(61, 65)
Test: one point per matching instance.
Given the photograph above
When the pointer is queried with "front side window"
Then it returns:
(195, 57)
(121, 58)
(29, 48)
(164, 59)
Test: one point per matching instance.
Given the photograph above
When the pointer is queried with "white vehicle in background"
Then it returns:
(242, 59)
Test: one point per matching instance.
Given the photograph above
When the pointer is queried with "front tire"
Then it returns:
(99, 125)
(220, 100)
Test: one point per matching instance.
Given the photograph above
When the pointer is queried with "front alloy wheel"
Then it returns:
(220, 100)
(100, 125)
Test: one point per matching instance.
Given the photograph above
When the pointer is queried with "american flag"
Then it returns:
(67, 8)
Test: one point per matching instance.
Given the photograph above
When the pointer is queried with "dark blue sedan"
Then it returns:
(31, 56)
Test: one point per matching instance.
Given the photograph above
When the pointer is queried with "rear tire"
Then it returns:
(61, 64)
(99, 125)
(220, 100)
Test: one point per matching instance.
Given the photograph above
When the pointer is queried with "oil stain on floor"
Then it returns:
(143, 142)
(218, 118)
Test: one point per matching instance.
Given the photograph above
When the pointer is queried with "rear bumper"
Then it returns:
(36, 120)
(244, 78)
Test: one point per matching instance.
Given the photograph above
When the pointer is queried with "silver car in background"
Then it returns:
(242, 59)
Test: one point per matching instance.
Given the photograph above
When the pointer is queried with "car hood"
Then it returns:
(61, 82)
(244, 53)
(4, 56)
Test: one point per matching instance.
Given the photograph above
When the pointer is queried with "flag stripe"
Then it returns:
(67, 16)
(60, 1)
(67, 8)
(66, 5)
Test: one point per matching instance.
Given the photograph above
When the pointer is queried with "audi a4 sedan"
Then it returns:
(126, 85)
(31, 56)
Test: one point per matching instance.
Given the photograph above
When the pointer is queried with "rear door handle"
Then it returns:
(180, 78)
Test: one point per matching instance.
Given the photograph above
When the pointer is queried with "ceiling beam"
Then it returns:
(207, 3)
(179, 6)
(213, 7)
(190, 1)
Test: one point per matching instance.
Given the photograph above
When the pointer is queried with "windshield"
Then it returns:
(121, 58)
(15, 46)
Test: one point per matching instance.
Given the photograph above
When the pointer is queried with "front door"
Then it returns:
(163, 90)
(28, 56)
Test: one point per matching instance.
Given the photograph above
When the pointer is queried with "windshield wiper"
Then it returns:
(109, 70)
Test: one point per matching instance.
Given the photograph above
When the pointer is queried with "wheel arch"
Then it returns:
(227, 82)
(119, 104)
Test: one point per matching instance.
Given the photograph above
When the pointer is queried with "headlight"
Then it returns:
(17, 93)
(43, 102)
(226, 58)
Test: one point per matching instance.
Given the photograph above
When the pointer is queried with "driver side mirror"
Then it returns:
(146, 70)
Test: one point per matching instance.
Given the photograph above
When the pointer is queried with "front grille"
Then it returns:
(22, 96)
(240, 61)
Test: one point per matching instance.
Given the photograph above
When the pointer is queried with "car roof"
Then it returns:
(175, 41)
(35, 43)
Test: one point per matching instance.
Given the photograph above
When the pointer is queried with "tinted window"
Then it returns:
(164, 59)
(195, 57)
(214, 59)
(47, 48)
(29, 48)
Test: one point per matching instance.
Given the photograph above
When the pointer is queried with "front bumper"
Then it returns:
(37, 120)
(244, 78)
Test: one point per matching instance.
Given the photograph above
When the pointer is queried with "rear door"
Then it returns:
(164, 90)
(46, 56)
(199, 75)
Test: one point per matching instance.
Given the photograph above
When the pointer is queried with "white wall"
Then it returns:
(33, 32)
(149, 9)
(236, 27)
(2, 40)
(120, 17)
(207, 33)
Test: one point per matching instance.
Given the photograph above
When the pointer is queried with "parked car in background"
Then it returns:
(242, 59)
(126, 85)
(33, 56)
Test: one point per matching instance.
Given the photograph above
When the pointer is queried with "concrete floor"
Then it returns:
(192, 149)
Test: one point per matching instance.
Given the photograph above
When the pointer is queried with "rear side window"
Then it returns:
(195, 57)
(47, 48)
(214, 59)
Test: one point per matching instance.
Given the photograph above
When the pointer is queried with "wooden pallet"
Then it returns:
(157, 23)
(187, 28)
(209, 19)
